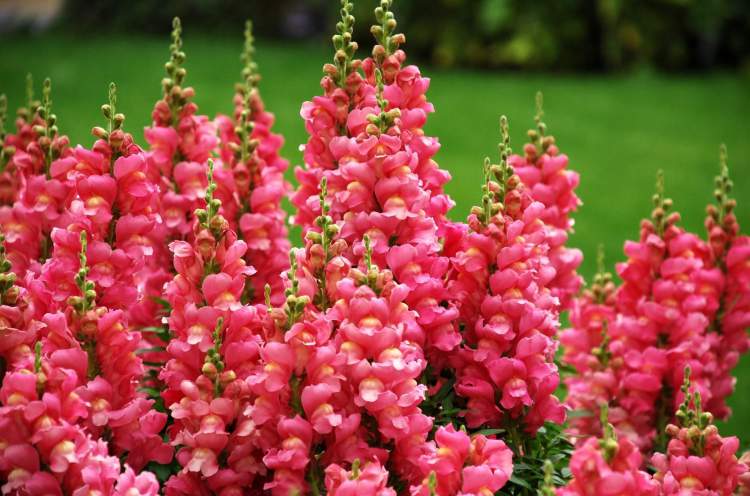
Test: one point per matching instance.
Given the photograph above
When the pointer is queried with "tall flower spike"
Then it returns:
(342, 42)
(662, 205)
(545, 174)
(175, 72)
(721, 222)
(250, 72)
(388, 42)
(47, 131)
(209, 217)
(538, 136)
(504, 171)
(86, 301)
(380, 123)
(697, 458)
(6, 152)
(328, 230)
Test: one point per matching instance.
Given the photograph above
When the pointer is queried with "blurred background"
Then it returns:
(630, 87)
(559, 35)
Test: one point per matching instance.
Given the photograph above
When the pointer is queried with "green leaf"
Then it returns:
(490, 432)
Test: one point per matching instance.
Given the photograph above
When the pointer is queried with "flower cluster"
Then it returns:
(543, 169)
(509, 314)
(214, 348)
(156, 339)
(251, 180)
(366, 140)
(463, 465)
(70, 385)
(70, 394)
(729, 317)
(181, 141)
(629, 345)
(608, 466)
(698, 460)
(37, 201)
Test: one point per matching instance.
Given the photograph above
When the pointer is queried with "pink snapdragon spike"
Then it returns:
(380, 337)
(18, 332)
(8, 177)
(657, 324)
(40, 199)
(458, 464)
(367, 141)
(214, 348)
(608, 466)
(251, 180)
(369, 480)
(341, 370)
(544, 171)
(698, 460)
(100, 199)
(509, 315)
(586, 347)
(108, 403)
(294, 386)
(58, 399)
(730, 314)
(28, 148)
(181, 141)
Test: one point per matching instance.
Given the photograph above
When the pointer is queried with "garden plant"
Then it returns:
(159, 333)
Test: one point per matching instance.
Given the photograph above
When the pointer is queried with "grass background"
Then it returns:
(617, 130)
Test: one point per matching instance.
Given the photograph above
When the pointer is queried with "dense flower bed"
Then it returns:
(160, 335)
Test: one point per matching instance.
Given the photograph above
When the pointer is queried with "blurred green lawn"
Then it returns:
(617, 130)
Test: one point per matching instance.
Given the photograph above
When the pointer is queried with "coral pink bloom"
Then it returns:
(143, 484)
(593, 474)
(223, 291)
(80, 163)
(163, 142)
(136, 192)
(463, 465)
(369, 480)
(684, 470)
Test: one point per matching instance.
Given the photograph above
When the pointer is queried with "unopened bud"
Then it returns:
(209, 370)
(100, 132)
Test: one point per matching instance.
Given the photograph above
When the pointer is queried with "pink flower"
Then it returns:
(608, 469)
(135, 189)
(463, 465)
(698, 460)
(143, 484)
(370, 480)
